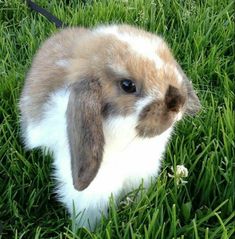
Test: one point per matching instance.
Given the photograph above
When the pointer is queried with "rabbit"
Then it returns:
(104, 101)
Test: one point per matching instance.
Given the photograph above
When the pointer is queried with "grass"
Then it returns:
(201, 36)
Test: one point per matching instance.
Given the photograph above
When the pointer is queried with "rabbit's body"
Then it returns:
(106, 133)
(116, 174)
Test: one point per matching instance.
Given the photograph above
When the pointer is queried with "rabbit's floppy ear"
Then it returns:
(85, 131)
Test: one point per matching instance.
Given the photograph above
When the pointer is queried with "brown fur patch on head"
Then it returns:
(165, 54)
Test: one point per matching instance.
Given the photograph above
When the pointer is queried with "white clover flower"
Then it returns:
(180, 173)
(126, 201)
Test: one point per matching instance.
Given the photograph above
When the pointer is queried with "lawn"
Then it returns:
(200, 34)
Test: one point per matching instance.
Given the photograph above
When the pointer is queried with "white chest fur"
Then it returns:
(128, 157)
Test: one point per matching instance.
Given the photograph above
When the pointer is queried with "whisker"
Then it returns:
(129, 142)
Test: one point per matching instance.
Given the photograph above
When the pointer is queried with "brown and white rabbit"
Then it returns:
(104, 101)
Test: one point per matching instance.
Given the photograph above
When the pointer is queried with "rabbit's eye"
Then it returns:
(128, 86)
